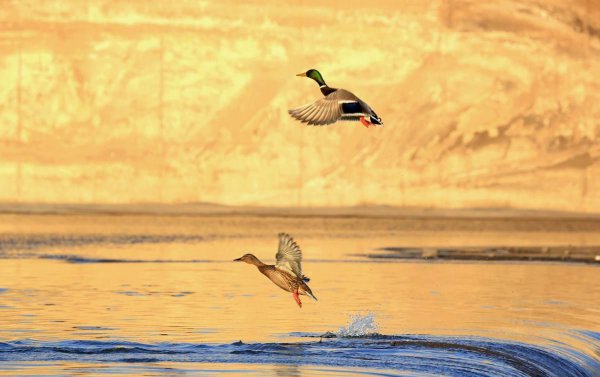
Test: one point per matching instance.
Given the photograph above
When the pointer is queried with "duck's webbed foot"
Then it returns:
(364, 122)
(297, 298)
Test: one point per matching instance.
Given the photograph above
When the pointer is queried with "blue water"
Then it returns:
(418, 355)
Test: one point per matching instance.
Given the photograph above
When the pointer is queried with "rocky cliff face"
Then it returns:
(485, 105)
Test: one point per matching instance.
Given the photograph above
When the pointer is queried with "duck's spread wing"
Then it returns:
(327, 110)
(289, 255)
(319, 113)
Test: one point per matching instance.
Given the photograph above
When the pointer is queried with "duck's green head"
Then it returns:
(313, 74)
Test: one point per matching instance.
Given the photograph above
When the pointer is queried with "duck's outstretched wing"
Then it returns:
(289, 255)
(339, 105)
(319, 113)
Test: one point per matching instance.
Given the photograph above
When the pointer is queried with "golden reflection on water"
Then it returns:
(216, 300)
(223, 302)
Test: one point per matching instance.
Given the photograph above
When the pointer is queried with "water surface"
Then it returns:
(85, 295)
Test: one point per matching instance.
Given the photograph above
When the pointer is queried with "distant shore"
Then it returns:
(577, 254)
(401, 233)
(191, 209)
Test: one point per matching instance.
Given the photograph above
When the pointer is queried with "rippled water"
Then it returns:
(410, 354)
(160, 296)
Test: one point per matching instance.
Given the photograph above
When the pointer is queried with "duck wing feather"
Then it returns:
(289, 255)
(331, 108)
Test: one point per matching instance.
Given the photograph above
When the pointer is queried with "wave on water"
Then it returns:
(29, 246)
(41, 241)
(80, 259)
(418, 355)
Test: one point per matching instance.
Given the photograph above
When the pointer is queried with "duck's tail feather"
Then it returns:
(309, 293)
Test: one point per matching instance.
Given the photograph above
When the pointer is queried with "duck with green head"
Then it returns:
(286, 273)
(337, 104)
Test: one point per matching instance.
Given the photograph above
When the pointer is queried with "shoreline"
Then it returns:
(387, 232)
(211, 209)
(567, 254)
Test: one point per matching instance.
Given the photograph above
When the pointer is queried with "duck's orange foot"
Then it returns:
(364, 122)
(297, 299)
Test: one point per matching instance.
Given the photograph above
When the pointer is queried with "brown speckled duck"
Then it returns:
(287, 271)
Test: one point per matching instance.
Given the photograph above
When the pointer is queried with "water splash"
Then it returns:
(359, 325)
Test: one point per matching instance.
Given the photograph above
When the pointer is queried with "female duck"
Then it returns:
(338, 104)
(287, 271)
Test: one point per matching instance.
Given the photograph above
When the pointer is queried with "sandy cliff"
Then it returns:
(485, 105)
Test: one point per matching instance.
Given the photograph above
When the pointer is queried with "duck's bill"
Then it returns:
(238, 260)
(303, 74)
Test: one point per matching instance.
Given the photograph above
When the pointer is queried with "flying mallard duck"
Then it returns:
(338, 104)
(287, 271)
